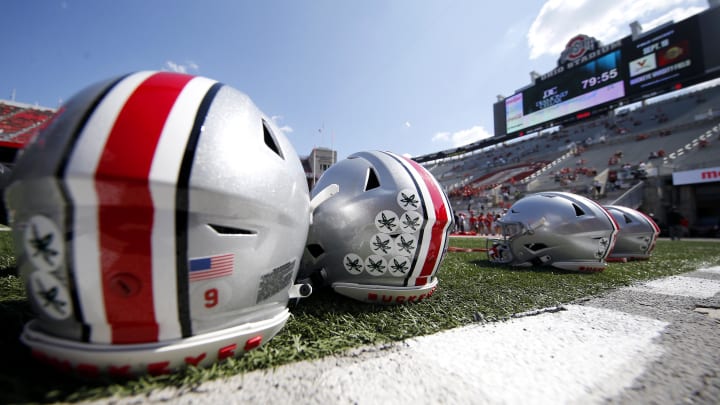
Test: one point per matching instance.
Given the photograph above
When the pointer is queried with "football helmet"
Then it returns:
(382, 237)
(159, 221)
(637, 235)
(558, 229)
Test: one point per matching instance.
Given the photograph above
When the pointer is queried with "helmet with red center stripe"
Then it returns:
(382, 237)
(637, 236)
(159, 221)
(558, 229)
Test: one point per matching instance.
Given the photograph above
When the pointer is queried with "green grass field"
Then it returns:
(471, 290)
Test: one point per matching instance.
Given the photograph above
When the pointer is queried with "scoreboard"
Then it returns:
(667, 55)
(591, 84)
(591, 78)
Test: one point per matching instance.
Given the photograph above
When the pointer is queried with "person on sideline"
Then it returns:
(674, 220)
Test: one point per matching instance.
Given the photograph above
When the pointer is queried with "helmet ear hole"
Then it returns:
(315, 250)
(270, 140)
(227, 230)
(536, 246)
(578, 211)
(371, 180)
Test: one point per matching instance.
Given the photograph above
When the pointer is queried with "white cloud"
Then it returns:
(560, 20)
(181, 68)
(285, 129)
(441, 137)
(462, 137)
(407, 124)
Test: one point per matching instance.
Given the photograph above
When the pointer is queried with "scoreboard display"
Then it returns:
(667, 56)
(589, 85)
(591, 78)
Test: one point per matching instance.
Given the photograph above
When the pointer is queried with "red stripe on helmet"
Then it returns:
(656, 232)
(616, 229)
(437, 234)
(652, 222)
(125, 213)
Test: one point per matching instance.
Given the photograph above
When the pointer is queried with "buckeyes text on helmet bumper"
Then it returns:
(92, 359)
(379, 294)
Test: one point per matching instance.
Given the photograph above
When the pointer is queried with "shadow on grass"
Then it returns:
(22, 379)
(528, 269)
(8, 271)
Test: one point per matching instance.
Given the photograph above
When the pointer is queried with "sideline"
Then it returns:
(645, 343)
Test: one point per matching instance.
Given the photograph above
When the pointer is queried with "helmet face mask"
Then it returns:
(146, 231)
(382, 237)
(561, 230)
(498, 251)
(513, 229)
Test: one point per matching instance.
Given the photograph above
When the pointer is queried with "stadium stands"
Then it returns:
(18, 124)
(601, 158)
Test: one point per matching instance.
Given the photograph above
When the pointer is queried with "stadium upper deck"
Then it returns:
(18, 124)
(615, 152)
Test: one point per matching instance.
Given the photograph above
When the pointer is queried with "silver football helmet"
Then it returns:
(558, 229)
(159, 221)
(637, 236)
(382, 237)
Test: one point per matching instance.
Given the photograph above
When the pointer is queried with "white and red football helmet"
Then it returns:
(159, 221)
(382, 237)
(557, 229)
(637, 236)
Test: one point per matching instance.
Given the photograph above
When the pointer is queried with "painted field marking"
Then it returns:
(683, 286)
(572, 354)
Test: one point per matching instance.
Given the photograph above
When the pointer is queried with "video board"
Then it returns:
(591, 78)
(665, 57)
(589, 85)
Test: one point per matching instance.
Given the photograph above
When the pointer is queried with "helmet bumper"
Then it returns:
(383, 294)
(582, 266)
(91, 360)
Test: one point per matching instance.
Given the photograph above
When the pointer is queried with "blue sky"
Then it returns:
(408, 76)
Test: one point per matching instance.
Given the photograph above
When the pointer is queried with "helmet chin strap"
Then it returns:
(321, 197)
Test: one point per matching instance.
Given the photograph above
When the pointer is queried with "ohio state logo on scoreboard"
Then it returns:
(577, 47)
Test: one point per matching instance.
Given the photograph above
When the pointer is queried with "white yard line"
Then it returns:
(713, 270)
(578, 354)
(682, 286)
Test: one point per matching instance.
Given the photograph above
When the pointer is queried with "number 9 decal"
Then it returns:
(211, 297)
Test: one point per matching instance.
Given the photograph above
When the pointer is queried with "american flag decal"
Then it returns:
(205, 268)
